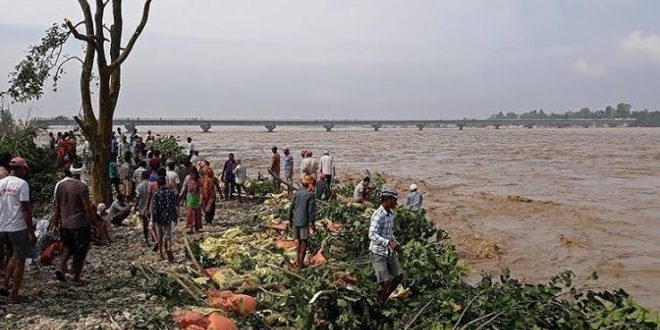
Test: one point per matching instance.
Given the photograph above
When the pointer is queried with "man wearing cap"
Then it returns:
(16, 228)
(383, 247)
(275, 168)
(327, 164)
(415, 198)
(302, 214)
(73, 216)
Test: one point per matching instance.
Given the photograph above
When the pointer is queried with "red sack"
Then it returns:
(49, 253)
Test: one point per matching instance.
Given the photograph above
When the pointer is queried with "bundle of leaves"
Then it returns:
(169, 148)
(340, 291)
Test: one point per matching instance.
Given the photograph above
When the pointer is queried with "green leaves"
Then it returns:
(26, 83)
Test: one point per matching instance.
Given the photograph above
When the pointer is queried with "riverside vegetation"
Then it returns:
(240, 277)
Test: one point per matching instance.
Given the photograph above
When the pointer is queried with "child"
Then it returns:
(164, 212)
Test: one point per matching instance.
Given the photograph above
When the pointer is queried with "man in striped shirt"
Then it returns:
(383, 247)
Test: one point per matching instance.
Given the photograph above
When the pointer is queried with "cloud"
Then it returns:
(641, 46)
(589, 69)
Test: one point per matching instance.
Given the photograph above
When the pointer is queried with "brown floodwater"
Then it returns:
(537, 201)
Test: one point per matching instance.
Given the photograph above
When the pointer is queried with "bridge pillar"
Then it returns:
(205, 127)
(421, 126)
(612, 124)
(376, 126)
(497, 126)
(270, 127)
(528, 126)
(460, 126)
(328, 126)
(129, 127)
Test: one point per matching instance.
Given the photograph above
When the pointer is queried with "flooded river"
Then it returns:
(535, 200)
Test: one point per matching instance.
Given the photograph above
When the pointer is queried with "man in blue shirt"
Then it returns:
(383, 247)
(302, 214)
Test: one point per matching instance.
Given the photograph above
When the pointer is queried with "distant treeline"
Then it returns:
(643, 118)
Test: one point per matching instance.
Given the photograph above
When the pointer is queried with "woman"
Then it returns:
(191, 194)
(210, 186)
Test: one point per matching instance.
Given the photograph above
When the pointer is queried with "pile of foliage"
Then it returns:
(169, 148)
(17, 139)
(337, 289)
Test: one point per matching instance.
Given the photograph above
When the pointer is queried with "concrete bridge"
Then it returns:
(328, 125)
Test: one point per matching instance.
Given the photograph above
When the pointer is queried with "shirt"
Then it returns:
(414, 200)
(275, 166)
(13, 191)
(228, 169)
(288, 164)
(72, 196)
(142, 196)
(358, 193)
(113, 169)
(327, 165)
(125, 171)
(241, 174)
(164, 206)
(302, 211)
(172, 180)
(116, 207)
(380, 232)
(190, 148)
(137, 174)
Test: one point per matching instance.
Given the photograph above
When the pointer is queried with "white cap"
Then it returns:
(326, 152)
(413, 187)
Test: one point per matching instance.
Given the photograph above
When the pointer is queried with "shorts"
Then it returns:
(76, 240)
(164, 230)
(301, 232)
(385, 267)
(19, 242)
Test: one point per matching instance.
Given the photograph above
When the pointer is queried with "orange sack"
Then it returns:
(242, 304)
(188, 318)
(218, 321)
(318, 258)
(286, 244)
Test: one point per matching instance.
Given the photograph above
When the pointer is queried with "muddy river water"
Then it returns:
(534, 200)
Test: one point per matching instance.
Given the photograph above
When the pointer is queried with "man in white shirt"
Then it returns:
(190, 147)
(172, 180)
(327, 167)
(362, 190)
(16, 227)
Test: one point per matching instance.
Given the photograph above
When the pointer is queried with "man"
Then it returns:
(383, 247)
(137, 174)
(327, 164)
(73, 216)
(313, 165)
(195, 157)
(119, 210)
(172, 177)
(322, 190)
(16, 228)
(240, 172)
(362, 190)
(164, 212)
(228, 176)
(415, 198)
(142, 197)
(302, 214)
(190, 147)
(288, 165)
(275, 168)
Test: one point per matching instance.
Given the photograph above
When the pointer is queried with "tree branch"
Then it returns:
(75, 32)
(131, 42)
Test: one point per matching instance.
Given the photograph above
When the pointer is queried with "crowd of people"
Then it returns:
(155, 189)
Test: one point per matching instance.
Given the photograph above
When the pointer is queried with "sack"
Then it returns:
(49, 253)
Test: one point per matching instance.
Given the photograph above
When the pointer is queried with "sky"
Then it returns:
(362, 59)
